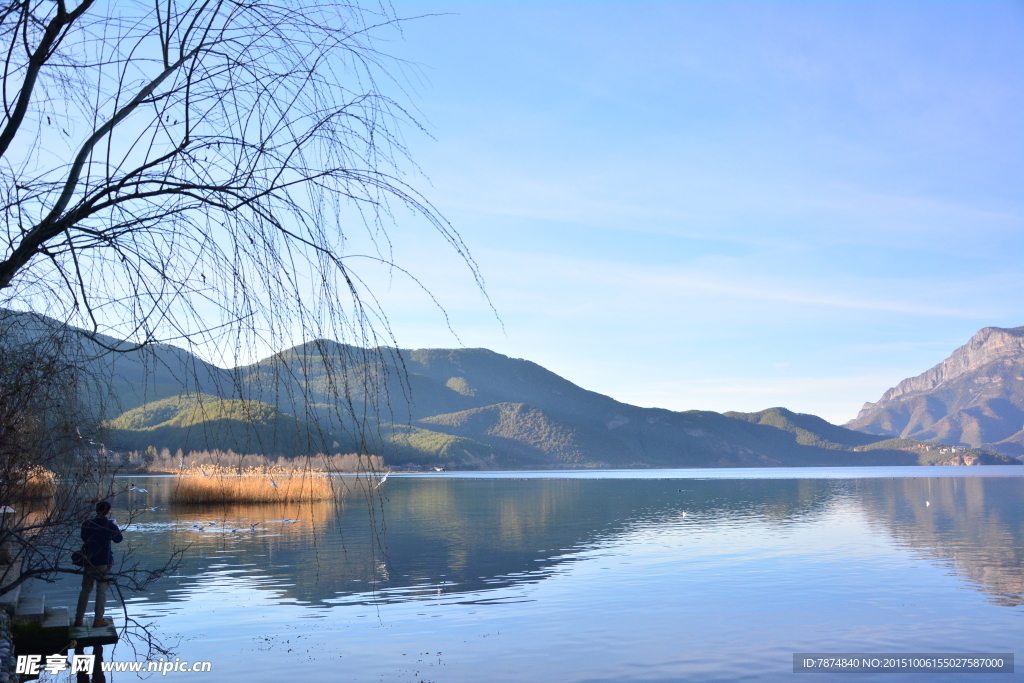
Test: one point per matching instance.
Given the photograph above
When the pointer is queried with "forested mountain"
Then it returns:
(198, 421)
(473, 408)
(973, 398)
(458, 408)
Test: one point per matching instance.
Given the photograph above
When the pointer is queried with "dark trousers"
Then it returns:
(100, 576)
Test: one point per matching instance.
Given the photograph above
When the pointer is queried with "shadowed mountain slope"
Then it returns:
(129, 376)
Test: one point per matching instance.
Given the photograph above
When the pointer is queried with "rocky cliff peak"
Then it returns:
(975, 397)
(987, 345)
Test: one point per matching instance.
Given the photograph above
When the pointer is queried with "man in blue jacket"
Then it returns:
(97, 533)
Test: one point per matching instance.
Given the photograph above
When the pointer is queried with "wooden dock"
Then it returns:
(85, 636)
(41, 630)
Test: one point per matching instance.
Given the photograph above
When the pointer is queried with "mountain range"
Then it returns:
(457, 408)
(974, 398)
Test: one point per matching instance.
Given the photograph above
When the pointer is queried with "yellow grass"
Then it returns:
(166, 461)
(217, 484)
(39, 483)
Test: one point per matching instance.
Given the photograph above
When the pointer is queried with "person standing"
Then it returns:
(97, 533)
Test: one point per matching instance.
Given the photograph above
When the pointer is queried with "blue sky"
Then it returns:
(723, 206)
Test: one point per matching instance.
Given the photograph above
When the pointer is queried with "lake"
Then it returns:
(640, 575)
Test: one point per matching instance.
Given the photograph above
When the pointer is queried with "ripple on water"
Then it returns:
(593, 576)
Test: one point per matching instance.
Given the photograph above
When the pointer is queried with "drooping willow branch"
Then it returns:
(230, 157)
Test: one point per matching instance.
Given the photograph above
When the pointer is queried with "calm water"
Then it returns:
(614, 576)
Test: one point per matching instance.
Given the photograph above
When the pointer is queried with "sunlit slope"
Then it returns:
(205, 422)
(973, 398)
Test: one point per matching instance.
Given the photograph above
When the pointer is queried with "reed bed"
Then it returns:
(166, 461)
(39, 483)
(223, 485)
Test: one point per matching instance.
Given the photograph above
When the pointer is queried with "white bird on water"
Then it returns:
(381, 482)
(135, 488)
(154, 509)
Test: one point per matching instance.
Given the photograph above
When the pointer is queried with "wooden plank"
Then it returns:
(57, 618)
(85, 636)
(31, 608)
(9, 600)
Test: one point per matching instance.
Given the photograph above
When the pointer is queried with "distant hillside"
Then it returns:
(130, 377)
(531, 437)
(973, 398)
(806, 430)
(460, 408)
(202, 422)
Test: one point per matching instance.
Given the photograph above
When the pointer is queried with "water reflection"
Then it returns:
(975, 525)
(98, 675)
(445, 535)
(461, 537)
(468, 535)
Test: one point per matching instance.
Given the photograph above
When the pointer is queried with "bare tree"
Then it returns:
(208, 172)
(179, 170)
(52, 468)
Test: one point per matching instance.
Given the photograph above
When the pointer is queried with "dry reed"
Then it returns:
(219, 484)
(166, 461)
(39, 483)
